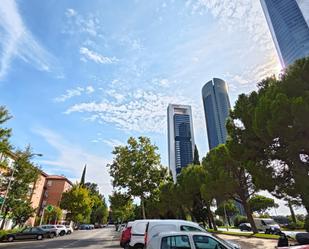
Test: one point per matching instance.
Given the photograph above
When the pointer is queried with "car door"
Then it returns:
(34, 233)
(24, 234)
(207, 242)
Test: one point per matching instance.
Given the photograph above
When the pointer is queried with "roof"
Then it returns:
(56, 177)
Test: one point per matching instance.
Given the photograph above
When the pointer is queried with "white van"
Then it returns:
(267, 225)
(154, 227)
(138, 234)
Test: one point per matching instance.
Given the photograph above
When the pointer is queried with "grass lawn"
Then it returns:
(248, 235)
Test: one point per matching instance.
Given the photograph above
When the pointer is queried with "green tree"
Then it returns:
(271, 127)
(99, 211)
(196, 157)
(261, 204)
(21, 212)
(229, 178)
(227, 209)
(136, 168)
(5, 133)
(78, 203)
(121, 206)
(25, 174)
(53, 216)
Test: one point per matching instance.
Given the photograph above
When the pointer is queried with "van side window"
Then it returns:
(190, 229)
(176, 242)
(205, 242)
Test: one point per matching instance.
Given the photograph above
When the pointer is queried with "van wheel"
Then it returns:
(139, 246)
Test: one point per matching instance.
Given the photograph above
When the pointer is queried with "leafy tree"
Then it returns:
(25, 175)
(271, 127)
(99, 210)
(5, 133)
(261, 204)
(196, 158)
(21, 212)
(136, 168)
(78, 203)
(240, 219)
(228, 209)
(229, 178)
(121, 206)
(53, 216)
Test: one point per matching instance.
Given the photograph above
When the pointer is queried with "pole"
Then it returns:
(7, 191)
(42, 217)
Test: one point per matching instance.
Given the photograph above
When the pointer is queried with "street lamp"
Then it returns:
(10, 181)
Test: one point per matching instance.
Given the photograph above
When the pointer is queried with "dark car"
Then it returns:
(245, 227)
(84, 227)
(29, 233)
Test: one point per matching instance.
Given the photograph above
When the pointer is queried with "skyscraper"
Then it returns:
(216, 107)
(180, 137)
(289, 29)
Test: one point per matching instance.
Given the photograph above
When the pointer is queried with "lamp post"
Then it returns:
(10, 182)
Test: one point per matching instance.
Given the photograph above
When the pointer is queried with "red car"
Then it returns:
(126, 236)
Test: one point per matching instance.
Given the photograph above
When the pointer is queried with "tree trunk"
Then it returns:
(249, 213)
(4, 218)
(211, 217)
(292, 212)
(228, 220)
(143, 208)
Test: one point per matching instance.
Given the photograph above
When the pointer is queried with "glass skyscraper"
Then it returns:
(289, 29)
(216, 107)
(180, 137)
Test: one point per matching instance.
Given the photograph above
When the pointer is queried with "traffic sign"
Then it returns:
(49, 208)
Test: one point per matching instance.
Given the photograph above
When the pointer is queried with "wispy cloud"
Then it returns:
(70, 12)
(70, 93)
(72, 158)
(113, 142)
(142, 111)
(88, 54)
(17, 42)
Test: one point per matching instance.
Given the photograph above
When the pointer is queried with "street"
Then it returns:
(90, 239)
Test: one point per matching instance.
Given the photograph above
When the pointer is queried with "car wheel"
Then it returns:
(10, 238)
(62, 233)
(51, 235)
(69, 232)
(39, 237)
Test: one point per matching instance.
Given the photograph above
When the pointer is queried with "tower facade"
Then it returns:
(216, 107)
(180, 137)
(289, 29)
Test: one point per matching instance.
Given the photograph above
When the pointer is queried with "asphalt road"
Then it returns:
(87, 239)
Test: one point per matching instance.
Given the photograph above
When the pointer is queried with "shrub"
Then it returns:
(297, 225)
(240, 219)
(219, 222)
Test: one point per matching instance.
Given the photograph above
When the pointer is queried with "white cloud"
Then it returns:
(70, 93)
(96, 57)
(113, 142)
(142, 111)
(70, 12)
(72, 158)
(17, 42)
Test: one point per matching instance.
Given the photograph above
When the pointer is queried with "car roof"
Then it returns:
(173, 221)
(165, 234)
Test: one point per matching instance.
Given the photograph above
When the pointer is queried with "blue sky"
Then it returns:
(80, 77)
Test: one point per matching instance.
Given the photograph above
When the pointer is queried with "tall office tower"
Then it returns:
(216, 107)
(289, 29)
(180, 137)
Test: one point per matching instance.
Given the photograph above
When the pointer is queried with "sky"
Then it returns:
(80, 77)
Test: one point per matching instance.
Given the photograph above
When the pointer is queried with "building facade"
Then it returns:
(180, 137)
(216, 107)
(289, 29)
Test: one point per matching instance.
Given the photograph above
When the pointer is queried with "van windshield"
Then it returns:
(269, 222)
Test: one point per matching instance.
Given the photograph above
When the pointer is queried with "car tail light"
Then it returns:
(145, 239)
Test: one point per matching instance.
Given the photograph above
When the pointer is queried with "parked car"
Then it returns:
(63, 229)
(126, 235)
(188, 240)
(51, 228)
(301, 241)
(69, 229)
(29, 233)
(267, 225)
(84, 227)
(155, 227)
(245, 227)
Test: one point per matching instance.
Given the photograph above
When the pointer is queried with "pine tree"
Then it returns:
(82, 180)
